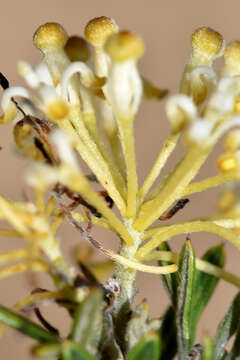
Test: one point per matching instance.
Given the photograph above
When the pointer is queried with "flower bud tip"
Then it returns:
(49, 36)
(207, 41)
(99, 29)
(124, 46)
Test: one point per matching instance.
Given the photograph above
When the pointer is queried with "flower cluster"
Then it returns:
(82, 99)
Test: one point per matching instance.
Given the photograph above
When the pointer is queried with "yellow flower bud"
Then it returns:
(232, 141)
(232, 59)
(207, 42)
(226, 202)
(49, 36)
(227, 163)
(124, 46)
(99, 29)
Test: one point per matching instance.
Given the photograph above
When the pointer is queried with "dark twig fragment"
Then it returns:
(178, 206)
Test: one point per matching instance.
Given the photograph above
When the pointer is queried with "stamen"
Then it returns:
(9, 105)
(234, 121)
(87, 77)
(207, 45)
(199, 131)
(124, 86)
(12, 92)
(97, 31)
(51, 38)
(41, 70)
(61, 142)
(202, 81)
(28, 74)
(180, 110)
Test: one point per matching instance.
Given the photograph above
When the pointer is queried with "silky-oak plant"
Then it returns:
(79, 106)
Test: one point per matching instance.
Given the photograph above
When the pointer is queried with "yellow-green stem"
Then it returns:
(209, 183)
(185, 228)
(126, 131)
(91, 124)
(161, 160)
(174, 187)
(126, 276)
(101, 173)
(200, 265)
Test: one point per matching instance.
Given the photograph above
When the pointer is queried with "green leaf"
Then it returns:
(73, 351)
(25, 326)
(207, 348)
(205, 284)
(168, 335)
(47, 350)
(227, 327)
(87, 325)
(184, 301)
(234, 354)
(170, 281)
(147, 348)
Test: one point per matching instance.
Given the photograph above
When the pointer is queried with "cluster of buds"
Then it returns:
(82, 99)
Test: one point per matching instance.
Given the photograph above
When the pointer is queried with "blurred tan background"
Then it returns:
(166, 27)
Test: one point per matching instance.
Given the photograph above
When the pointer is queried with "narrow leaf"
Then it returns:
(147, 348)
(73, 351)
(234, 354)
(204, 284)
(25, 326)
(227, 328)
(170, 281)
(168, 335)
(184, 303)
(87, 325)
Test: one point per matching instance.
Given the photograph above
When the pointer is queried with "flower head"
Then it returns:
(85, 87)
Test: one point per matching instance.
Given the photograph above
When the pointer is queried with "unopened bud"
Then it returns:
(227, 163)
(99, 29)
(124, 46)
